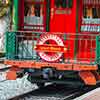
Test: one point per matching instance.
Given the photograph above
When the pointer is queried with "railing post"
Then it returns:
(15, 15)
(98, 49)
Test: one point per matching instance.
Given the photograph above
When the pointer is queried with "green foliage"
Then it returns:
(4, 7)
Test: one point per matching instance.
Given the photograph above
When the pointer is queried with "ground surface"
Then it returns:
(10, 89)
(93, 95)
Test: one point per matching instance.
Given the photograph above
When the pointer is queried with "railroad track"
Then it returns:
(52, 92)
(10, 89)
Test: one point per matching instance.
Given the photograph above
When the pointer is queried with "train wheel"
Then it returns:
(39, 84)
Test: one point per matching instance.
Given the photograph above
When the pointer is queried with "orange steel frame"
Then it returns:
(58, 66)
(85, 71)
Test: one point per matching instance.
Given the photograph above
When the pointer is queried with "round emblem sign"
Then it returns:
(50, 39)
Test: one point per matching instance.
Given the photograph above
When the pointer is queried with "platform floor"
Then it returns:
(10, 89)
(92, 95)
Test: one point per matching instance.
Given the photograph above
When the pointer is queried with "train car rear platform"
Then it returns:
(92, 95)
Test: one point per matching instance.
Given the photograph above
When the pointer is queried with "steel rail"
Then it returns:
(64, 93)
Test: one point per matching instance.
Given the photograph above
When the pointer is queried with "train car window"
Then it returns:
(26, 9)
(91, 17)
(63, 3)
(37, 9)
(94, 13)
(84, 12)
(34, 6)
(91, 12)
(33, 10)
(70, 3)
(33, 14)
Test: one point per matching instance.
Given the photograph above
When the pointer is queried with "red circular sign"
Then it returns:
(51, 38)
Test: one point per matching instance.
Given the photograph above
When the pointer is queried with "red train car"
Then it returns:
(55, 41)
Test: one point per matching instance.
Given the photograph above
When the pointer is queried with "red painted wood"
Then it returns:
(80, 10)
(21, 14)
(44, 14)
(65, 23)
(86, 46)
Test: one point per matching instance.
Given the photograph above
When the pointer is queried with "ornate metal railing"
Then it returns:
(47, 46)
